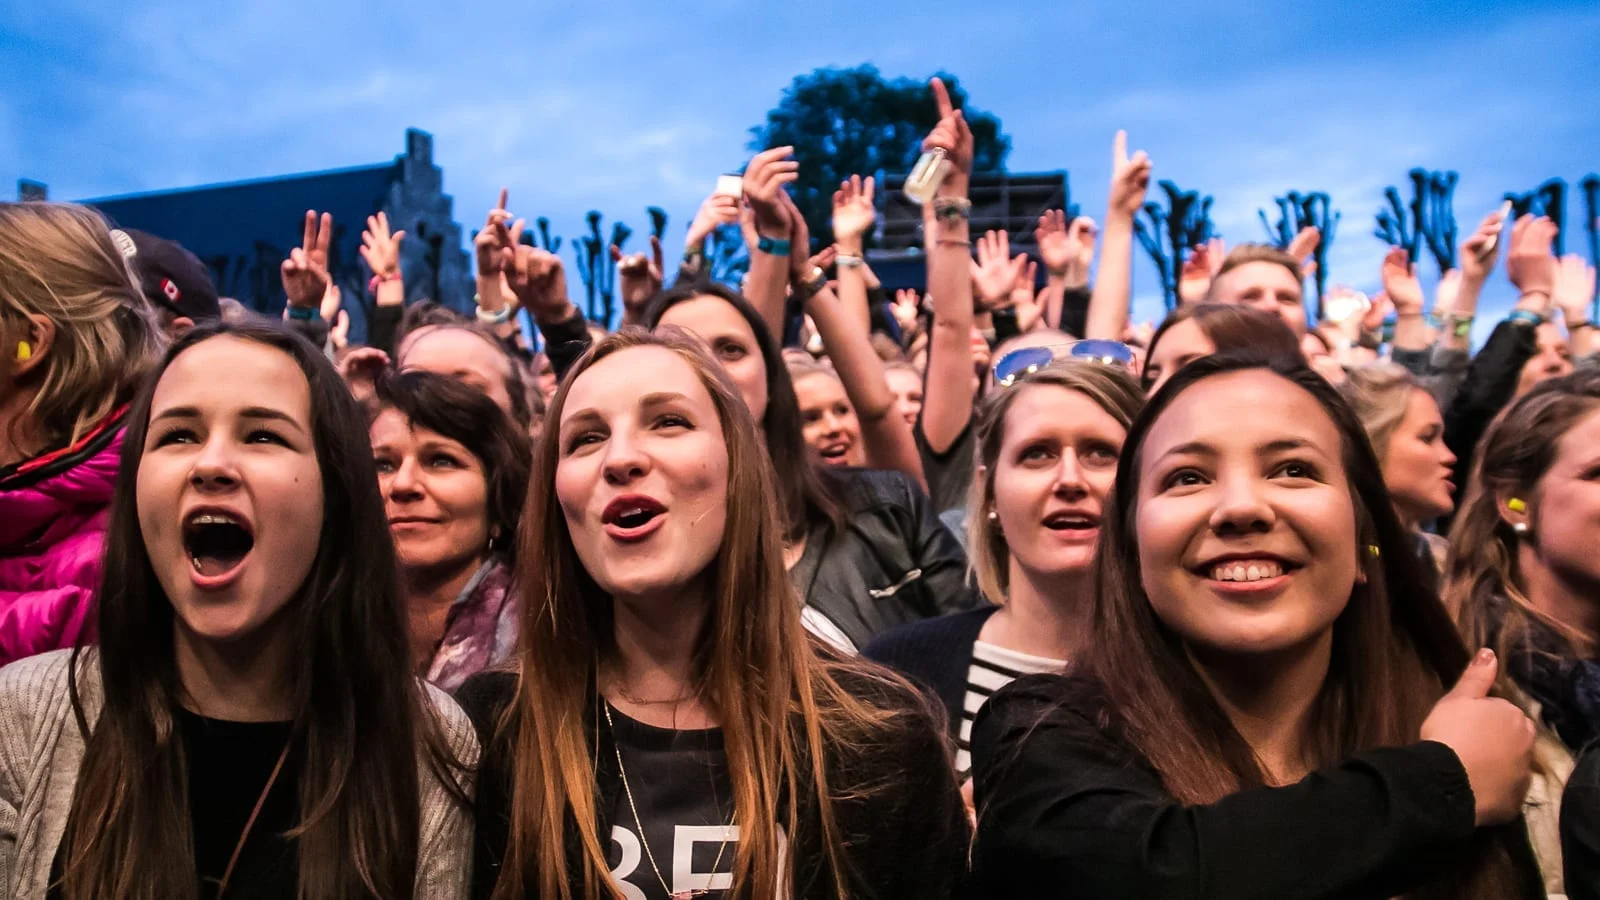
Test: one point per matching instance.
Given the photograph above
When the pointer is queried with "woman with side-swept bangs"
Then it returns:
(249, 726)
(674, 731)
(1265, 707)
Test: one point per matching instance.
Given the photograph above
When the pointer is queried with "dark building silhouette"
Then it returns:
(244, 230)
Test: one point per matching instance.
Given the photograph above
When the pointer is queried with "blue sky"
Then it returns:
(630, 104)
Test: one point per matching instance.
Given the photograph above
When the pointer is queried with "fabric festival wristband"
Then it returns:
(773, 246)
(302, 313)
(1523, 315)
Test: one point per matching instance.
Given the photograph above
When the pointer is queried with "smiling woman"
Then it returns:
(1260, 622)
(249, 716)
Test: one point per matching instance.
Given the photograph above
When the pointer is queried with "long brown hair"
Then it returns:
(361, 719)
(1395, 649)
(1112, 389)
(1229, 327)
(775, 692)
(1484, 585)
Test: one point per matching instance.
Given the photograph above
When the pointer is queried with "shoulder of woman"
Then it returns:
(1060, 702)
(865, 489)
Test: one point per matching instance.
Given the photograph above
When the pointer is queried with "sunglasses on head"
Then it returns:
(1026, 360)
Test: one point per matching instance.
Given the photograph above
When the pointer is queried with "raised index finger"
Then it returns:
(1119, 148)
(308, 234)
(941, 96)
(503, 198)
(325, 234)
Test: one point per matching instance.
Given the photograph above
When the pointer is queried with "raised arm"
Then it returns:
(841, 321)
(771, 257)
(1113, 285)
(951, 387)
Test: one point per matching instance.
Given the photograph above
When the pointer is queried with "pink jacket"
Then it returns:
(53, 516)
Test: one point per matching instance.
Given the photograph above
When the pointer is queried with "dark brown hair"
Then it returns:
(467, 416)
(361, 718)
(776, 692)
(1229, 327)
(1395, 649)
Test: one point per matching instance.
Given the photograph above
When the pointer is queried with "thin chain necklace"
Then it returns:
(616, 748)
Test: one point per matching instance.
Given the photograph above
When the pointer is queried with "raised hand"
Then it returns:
(638, 278)
(994, 273)
(1479, 250)
(305, 272)
(1491, 737)
(1400, 283)
(823, 258)
(1373, 318)
(381, 249)
(1064, 246)
(339, 334)
(1574, 290)
(1531, 263)
(717, 210)
(769, 172)
(1130, 177)
(799, 238)
(1194, 279)
(905, 308)
(537, 280)
(1304, 244)
(952, 134)
(853, 212)
(332, 299)
(361, 368)
(500, 231)
(1023, 299)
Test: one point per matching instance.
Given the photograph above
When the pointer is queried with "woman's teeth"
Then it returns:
(1252, 571)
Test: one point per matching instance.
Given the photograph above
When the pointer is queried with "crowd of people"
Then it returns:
(793, 588)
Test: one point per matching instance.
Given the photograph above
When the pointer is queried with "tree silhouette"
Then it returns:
(1297, 211)
(845, 122)
(729, 257)
(1184, 223)
(596, 270)
(1430, 218)
(1548, 200)
(1591, 206)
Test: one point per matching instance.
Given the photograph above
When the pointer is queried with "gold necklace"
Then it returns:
(639, 824)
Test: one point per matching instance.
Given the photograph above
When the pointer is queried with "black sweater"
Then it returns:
(1067, 807)
(905, 837)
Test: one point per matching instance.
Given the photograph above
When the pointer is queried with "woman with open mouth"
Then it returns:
(249, 724)
(1270, 702)
(1047, 456)
(453, 471)
(672, 730)
(827, 419)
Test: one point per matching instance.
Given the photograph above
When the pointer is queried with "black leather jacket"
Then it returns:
(892, 563)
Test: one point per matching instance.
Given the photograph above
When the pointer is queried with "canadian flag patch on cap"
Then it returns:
(170, 289)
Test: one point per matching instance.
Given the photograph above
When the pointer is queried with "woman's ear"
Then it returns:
(1513, 509)
(29, 348)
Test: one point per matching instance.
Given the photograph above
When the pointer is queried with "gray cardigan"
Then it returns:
(41, 749)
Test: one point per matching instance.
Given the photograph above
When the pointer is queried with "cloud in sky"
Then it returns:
(633, 104)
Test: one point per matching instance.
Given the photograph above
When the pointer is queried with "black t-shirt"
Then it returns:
(949, 473)
(679, 781)
(229, 764)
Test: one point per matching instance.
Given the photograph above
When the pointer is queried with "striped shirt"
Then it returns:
(993, 667)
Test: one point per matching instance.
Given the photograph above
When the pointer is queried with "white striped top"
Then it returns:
(993, 667)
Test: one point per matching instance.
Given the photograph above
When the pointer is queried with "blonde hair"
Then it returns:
(58, 260)
(1379, 393)
(1112, 389)
(789, 727)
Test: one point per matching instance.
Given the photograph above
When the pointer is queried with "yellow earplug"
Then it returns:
(1516, 505)
(24, 351)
